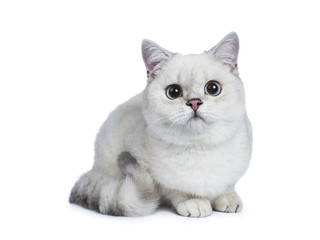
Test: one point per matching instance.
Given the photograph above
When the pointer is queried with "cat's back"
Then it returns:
(110, 141)
(122, 118)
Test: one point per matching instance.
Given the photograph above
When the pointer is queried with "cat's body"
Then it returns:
(188, 149)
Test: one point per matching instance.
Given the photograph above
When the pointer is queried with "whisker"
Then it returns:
(172, 130)
(179, 117)
(156, 121)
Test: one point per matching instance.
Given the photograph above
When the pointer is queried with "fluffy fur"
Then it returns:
(153, 149)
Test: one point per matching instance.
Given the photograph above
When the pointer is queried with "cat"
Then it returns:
(185, 140)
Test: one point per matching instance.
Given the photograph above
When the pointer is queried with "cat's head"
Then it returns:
(193, 93)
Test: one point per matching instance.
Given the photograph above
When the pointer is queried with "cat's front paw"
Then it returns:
(195, 207)
(229, 203)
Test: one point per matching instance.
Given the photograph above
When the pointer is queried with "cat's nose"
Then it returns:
(194, 103)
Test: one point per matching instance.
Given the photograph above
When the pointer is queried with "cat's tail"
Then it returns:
(132, 194)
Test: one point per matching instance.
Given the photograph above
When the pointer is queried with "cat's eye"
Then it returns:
(212, 88)
(173, 91)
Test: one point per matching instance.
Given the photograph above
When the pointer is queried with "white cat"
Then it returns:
(186, 139)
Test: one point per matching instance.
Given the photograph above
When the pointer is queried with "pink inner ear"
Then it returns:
(227, 50)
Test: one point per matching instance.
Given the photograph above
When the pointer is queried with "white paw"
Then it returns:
(229, 203)
(195, 208)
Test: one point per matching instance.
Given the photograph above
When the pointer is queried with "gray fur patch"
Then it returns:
(149, 195)
(87, 192)
(115, 210)
(81, 197)
(84, 200)
(128, 164)
(143, 181)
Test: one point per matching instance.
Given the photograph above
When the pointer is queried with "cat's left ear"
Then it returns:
(226, 51)
(154, 56)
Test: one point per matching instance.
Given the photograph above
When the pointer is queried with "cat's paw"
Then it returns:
(229, 203)
(195, 207)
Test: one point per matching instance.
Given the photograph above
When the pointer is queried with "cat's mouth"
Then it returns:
(196, 122)
(196, 117)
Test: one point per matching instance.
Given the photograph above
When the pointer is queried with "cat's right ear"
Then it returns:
(154, 56)
(227, 50)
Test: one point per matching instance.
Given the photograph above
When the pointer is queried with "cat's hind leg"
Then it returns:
(95, 191)
(139, 181)
(131, 194)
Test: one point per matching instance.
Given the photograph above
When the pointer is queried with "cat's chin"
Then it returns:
(196, 124)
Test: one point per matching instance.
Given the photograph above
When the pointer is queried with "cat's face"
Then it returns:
(192, 93)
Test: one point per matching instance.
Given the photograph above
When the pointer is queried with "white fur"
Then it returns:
(193, 162)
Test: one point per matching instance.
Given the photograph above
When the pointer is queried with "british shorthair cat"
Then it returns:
(186, 139)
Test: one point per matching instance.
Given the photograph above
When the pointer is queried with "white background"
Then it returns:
(64, 65)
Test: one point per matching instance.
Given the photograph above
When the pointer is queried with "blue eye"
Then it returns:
(212, 88)
(174, 91)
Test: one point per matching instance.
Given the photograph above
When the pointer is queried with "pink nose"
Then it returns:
(194, 104)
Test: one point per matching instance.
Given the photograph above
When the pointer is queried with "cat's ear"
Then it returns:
(226, 51)
(154, 56)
